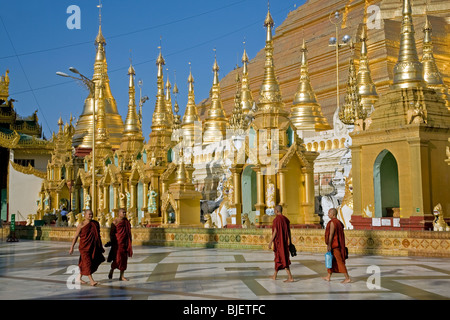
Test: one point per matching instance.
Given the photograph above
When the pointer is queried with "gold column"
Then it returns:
(85, 193)
(116, 197)
(133, 198)
(281, 174)
(145, 202)
(58, 197)
(260, 193)
(237, 193)
(356, 177)
(310, 217)
(106, 207)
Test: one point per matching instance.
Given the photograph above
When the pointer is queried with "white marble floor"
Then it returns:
(42, 270)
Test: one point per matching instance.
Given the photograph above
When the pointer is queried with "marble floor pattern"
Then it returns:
(43, 270)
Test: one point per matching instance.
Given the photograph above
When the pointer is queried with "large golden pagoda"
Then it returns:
(82, 138)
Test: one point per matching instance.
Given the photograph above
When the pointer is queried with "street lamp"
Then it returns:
(91, 87)
(336, 19)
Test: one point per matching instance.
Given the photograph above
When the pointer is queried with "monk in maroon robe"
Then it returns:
(121, 248)
(281, 238)
(335, 240)
(90, 247)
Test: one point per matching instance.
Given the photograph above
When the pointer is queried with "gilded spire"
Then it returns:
(216, 121)
(246, 94)
(408, 70)
(237, 121)
(190, 115)
(100, 77)
(431, 72)
(168, 99)
(306, 113)
(352, 108)
(160, 120)
(366, 86)
(132, 123)
(269, 95)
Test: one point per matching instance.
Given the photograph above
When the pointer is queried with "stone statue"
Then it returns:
(439, 223)
(79, 219)
(246, 222)
(128, 195)
(58, 222)
(47, 201)
(70, 219)
(152, 200)
(30, 220)
(270, 198)
(208, 223)
(345, 210)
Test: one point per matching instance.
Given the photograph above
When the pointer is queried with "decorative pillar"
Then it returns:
(133, 198)
(145, 199)
(281, 175)
(237, 202)
(260, 206)
(309, 212)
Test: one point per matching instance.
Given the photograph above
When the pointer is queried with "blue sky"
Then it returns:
(36, 43)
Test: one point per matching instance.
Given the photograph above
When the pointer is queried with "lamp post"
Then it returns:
(91, 87)
(336, 19)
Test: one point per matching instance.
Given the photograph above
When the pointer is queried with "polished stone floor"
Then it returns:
(44, 270)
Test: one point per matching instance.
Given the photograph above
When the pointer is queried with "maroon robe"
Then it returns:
(337, 246)
(281, 242)
(121, 248)
(91, 248)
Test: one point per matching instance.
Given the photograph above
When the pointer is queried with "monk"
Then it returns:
(90, 247)
(281, 238)
(335, 240)
(121, 248)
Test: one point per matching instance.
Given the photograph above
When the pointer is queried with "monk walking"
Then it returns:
(335, 240)
(121, 248)
(90, 247)
(281, 238)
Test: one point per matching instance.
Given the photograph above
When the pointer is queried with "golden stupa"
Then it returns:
(82, 138)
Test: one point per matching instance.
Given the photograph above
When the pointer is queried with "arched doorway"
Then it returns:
(386, 186)
(249, 192)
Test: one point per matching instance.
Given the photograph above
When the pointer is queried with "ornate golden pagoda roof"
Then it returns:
(351, 110)
(132, 123)
(306, 113)
(216, 121)
(269, 94)
(431, 73)
(168, 99)
(366, 87)
(247, 101)
(161, 118)
(113, 121)
(190, 114)
(408, 69)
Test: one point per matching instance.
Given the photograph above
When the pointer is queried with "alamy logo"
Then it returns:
(74, 20)
(73, 281)
(373, 17)
(374, 281)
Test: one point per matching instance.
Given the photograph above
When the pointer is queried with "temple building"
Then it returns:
(370, 141)
(23, 157)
